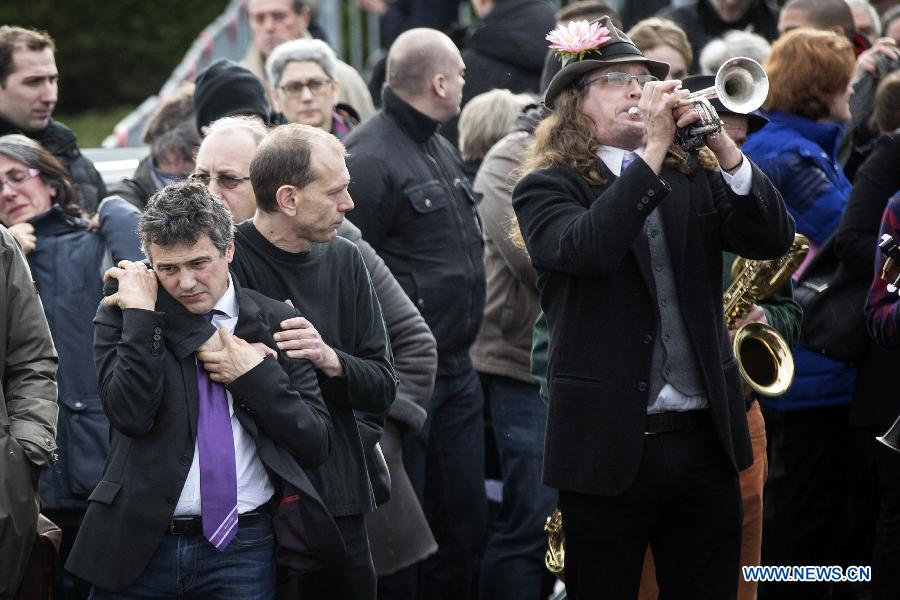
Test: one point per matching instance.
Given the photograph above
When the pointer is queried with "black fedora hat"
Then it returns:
(695, 83)
(616, 47)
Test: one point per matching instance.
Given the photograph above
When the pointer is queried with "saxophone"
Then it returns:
(763, 356)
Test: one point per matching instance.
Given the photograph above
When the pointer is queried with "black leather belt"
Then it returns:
(668, 422)
(194, 525)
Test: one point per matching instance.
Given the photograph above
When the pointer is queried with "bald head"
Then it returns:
(415, 57)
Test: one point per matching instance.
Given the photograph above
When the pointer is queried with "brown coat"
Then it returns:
(28, 410)
(503, 346)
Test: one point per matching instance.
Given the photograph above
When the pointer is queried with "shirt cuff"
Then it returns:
(741, 181)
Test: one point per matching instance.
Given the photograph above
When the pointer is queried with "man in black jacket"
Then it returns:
(290, 250)
(206, 425)
(28, 94)
(647, 426)
(416, 208)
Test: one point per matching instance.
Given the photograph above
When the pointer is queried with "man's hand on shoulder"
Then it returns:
(137, 286)
(299, 339)
(232, 358)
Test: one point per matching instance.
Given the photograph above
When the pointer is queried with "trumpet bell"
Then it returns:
(891, 437)
(742, 85)
(764, 359)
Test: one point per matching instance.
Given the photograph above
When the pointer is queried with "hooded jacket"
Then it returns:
(67, 265)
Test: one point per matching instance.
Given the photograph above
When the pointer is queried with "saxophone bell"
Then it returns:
(764, 358)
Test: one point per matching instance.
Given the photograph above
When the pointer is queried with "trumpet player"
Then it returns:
(647, 426)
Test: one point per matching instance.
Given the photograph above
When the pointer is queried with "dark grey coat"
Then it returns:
(398, 531)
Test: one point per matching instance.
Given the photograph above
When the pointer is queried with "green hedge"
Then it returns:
(114, 52)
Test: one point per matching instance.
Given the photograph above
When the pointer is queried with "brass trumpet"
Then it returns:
(741, 85)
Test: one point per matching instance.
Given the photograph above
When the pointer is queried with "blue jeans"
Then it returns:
(513, 564)
(188, 566)
(445, 462)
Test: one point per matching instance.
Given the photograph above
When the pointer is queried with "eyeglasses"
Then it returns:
(16, 177)
(294, 89)
(227, 182)
(620, 79)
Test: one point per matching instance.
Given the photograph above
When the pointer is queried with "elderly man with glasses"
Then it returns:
(223, 163)
(305, 87)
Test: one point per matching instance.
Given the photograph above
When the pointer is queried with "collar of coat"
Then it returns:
(416, 125)
(56, 222)
(55, 137)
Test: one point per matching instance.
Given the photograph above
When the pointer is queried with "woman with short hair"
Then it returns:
(664, 41)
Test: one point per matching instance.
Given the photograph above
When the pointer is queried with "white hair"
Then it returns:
(733, 43)
(300, 50)
(873, 14)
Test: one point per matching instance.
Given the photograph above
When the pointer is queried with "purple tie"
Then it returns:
(218, 476)
(627, 159)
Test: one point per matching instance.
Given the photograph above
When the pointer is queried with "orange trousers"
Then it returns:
(752, 479)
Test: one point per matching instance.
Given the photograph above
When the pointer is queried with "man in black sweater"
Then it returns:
(290, 251)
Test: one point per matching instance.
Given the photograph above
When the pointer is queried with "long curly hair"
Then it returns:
(565, 138)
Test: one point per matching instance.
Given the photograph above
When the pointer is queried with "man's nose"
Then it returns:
(213, 187)
(346, 203)
(187, 281)
(50, 93)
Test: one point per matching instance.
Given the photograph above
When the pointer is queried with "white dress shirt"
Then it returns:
(739, 183)
(253, 485)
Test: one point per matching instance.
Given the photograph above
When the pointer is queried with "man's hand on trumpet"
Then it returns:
(659, 108)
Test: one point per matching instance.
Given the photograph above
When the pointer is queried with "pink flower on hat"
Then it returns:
(577, 38)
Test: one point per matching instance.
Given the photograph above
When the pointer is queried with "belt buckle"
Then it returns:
(182, 525)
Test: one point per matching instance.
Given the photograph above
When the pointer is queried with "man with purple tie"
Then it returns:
(209, 421)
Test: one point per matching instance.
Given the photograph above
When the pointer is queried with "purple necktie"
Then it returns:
(627, 159)
(218, 475)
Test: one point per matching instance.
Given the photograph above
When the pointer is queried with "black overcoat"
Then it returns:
(592, 257)
(148, 383)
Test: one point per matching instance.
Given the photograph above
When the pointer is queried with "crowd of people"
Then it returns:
(282, 358)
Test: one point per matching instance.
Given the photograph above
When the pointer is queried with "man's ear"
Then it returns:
(305, 16)
(439, 85)
(285, 198)
(273, 98)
